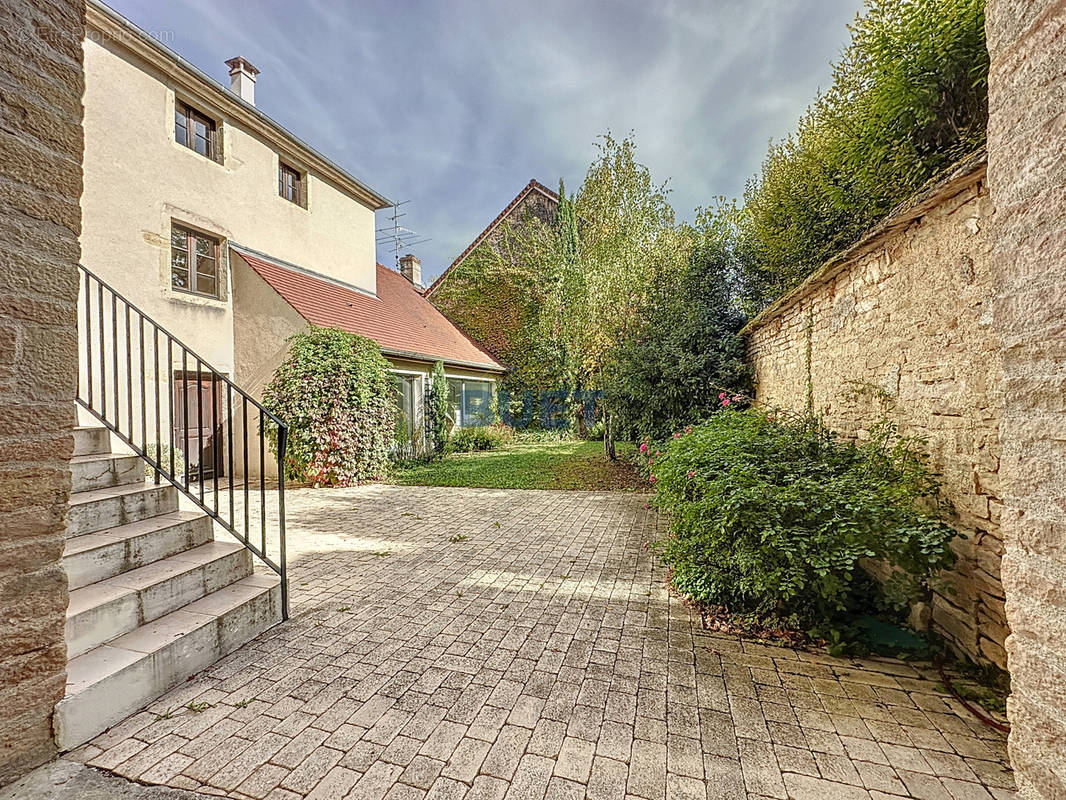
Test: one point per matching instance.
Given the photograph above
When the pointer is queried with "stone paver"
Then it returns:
(474, 643)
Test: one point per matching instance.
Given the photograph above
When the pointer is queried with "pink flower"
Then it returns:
(691, 474)
(688, 429)
(644, 447)
(658, 452)
(677, 435)
(721, 395)
(652, 479)
(725, 402)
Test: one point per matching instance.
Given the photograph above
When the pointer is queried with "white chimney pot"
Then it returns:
(242, 78)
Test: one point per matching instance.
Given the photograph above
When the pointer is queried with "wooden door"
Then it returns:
(198, 423)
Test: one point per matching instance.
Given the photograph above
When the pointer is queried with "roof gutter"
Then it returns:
(388, 351)
(114, 27)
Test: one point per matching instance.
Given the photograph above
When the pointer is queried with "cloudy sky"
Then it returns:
(455, 105)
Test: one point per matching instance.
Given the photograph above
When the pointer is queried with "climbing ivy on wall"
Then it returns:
(335, 393)
(497, 294)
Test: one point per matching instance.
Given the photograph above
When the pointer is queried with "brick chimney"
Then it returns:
(242, 78)
(411, 268)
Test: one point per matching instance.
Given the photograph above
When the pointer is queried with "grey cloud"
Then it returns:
(456, 105)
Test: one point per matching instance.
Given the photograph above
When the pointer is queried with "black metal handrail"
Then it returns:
(123, 376)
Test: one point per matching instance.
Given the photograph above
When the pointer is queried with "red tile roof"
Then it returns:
(532, 186)
(399, 319)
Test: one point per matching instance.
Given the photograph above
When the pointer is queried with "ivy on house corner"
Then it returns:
(335, 393)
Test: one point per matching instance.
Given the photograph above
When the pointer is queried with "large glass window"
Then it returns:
(470, 402)
(477, 403)
(405, 402)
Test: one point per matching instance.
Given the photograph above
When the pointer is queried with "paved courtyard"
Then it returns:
(473, 644)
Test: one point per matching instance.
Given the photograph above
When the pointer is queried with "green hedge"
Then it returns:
(908, 99)
(485, 437)
(772, 516)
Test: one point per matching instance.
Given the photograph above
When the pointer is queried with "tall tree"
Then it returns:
(627, 236)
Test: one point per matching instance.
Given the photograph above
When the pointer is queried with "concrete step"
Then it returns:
(101, 611)
(110, 682)
(104, 470)
(91, 440)
(102, 509)
(97, 556)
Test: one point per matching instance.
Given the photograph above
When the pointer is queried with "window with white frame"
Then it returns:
(470, 402)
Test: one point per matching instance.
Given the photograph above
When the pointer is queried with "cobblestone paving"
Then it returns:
(474, 644)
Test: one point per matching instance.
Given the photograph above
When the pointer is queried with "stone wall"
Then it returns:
(1027, 176)
(901, 327)
(40, 182)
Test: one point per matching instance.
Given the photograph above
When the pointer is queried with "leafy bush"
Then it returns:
(335, 393)
(485, 437)
(771, 516)
(437, 409)
(667, 373)
(909, 97)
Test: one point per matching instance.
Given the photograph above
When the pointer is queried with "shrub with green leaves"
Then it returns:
(437, 409)
(335, 393)
(777, 516)
(485, 437)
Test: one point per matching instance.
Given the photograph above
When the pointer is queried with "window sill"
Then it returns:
(198, 156)
(193, 299)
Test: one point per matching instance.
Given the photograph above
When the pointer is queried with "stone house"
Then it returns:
(40, 224)
(228, 183)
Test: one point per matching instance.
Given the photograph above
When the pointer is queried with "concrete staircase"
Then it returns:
(154, 598)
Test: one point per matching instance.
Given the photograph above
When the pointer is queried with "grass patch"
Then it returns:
(542, 465)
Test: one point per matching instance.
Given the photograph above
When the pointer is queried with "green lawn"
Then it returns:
(547, 465)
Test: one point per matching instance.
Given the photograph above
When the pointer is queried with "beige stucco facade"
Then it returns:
(263, 323)
(139, 181)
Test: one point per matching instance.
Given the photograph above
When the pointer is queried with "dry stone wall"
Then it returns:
(1027, 175)
(40, 219)
(901, 328)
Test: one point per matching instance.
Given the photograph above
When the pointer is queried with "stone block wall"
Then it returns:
(901, 328)
(40, 219)
(1027, 176)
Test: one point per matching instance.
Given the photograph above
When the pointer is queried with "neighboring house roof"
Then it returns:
(532, 186)
(402, 322)
(193, 81)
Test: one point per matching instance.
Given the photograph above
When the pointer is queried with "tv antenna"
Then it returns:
(398, 238)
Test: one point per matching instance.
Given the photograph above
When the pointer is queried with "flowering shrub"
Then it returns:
(335, 393)
(772, 516)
